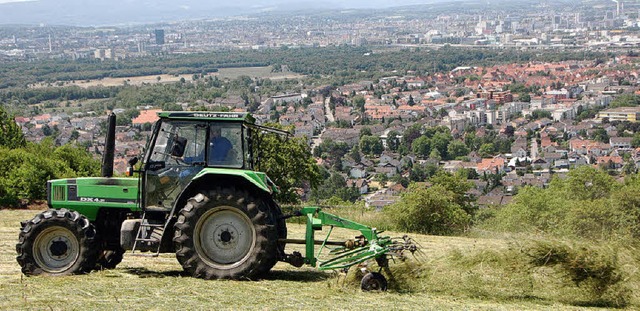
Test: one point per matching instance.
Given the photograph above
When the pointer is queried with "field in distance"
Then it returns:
(230, 73)
(442, 281)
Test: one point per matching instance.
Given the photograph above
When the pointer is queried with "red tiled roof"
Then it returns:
(491, 164)
(147, 116)
(606, 159)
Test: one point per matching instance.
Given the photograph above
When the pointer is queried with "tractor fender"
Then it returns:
(259, 179)
(251, 181)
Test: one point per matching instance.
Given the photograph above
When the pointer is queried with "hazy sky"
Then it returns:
(111, 12)
(378, 3)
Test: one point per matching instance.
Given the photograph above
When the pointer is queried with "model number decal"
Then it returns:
(92, 200)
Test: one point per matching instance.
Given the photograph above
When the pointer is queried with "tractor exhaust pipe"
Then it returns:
(109, 147)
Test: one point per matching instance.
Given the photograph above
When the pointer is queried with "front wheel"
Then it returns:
(226, 234)
(57, 242)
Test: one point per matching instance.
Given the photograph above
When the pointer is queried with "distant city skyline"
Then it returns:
(119, 12)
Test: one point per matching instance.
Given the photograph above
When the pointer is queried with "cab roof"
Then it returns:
(208, 116)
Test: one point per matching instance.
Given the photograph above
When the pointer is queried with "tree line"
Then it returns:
(342, 63)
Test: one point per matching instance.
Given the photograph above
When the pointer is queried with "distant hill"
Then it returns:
(114, 12)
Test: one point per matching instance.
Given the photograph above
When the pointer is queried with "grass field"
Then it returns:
(260, 72)
(229, 73)
(441, 282)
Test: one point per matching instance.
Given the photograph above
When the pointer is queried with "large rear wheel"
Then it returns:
(57, 242)
(226, 233)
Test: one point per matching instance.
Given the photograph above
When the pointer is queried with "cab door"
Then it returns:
(176, 156)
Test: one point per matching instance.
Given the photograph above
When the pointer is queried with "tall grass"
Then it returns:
(513, 266)
(592, 272)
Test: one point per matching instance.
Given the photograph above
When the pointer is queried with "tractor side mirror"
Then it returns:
(179, 144)
(132, 162)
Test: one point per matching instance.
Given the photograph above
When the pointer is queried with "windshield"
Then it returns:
(188, 136)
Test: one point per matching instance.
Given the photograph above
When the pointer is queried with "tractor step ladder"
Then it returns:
(151, 233)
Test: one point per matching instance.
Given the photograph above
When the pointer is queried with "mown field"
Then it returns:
(260, 72)
(455, 273)
(223, 73)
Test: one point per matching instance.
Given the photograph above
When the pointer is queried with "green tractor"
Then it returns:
(196, 195)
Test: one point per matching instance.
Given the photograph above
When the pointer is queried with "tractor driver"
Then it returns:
(219, 146)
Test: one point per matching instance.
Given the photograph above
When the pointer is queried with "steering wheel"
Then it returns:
(179, 160)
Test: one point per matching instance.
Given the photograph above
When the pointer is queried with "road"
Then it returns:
(534, 149)
(327, 110)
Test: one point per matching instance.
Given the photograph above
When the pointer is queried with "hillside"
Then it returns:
(456, 273)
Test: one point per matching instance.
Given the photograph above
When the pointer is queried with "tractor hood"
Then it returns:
(88, 194)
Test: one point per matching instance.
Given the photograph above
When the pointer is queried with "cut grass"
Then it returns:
(455, 273)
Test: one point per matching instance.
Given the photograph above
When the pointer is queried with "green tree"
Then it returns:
(74, 135)
(24, 171)
(588, 183)
(335, 187)
(10, 133)
(420, 172)
(629, 167)
(46, 130)
(472, 141)
(457, 149)
(288, 162)
(365, 131)
(78, 160)
(330, 149)
(430, 210)
(127, 116)
(354, 153)
(486, 150)
(411, 134)
(588, 204)
(440, 141)
(417, 173)
(458, 186)
(625, 100)
(399, 179)
(358, 103)
(435, 155)
(600, 135)
(393, 140)
(422, 146)
(539, 114)
(371, 145)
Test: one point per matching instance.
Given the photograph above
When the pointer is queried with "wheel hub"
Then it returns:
(56, 249)
(224, 236)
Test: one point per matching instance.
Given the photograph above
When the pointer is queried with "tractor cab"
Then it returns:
(184, 144)
(191, 150)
